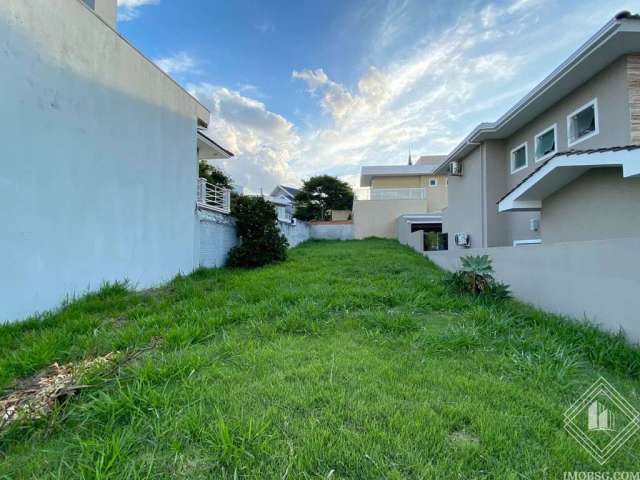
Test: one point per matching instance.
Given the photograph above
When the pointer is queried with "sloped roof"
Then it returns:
(291, 190)
(620, 36)
(208, 149)
(564, 167)
(568, 153)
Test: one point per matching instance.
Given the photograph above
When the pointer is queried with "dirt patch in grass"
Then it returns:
(35, 397)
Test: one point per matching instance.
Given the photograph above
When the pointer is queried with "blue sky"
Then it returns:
(298, 88)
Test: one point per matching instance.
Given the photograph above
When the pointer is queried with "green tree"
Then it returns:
(319, 195)
(214, 175)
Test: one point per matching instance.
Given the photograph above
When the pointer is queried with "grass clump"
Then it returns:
(350, 360)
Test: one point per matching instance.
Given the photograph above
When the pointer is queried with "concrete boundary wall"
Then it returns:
(295, 234)
(596, 280)
(332, 231)
(216, 236)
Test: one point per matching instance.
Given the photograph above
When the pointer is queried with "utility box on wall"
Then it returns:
(463, 240)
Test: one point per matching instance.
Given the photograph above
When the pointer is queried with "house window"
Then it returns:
(583, 123)
(519, 158)
(433, 182)
(545, 143)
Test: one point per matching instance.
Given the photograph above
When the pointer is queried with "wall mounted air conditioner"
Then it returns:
(455, 169)
(462, 240)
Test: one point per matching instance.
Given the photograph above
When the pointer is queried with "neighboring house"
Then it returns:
(562, 164)
(100, 156)
(284, 196)
(283, 207)
(394, 191)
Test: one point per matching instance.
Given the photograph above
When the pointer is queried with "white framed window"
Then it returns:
(583, 123)
(519, 160)
(433, 182)
(545, 144)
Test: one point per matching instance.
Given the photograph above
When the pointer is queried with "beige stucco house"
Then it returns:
(562, 164)
(394, 191)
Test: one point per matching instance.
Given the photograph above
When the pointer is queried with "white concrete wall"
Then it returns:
(295, 234)
(216, 237)
(98, 152)
(106, 9)
(336, 231)
(597, 280)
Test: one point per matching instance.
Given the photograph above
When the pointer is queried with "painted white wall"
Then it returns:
(597, 279)
(328, 231)
(98, 157)
(106, 9)
(216, 236)
(295, 234)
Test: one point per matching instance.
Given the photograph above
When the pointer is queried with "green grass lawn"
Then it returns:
(350, 360)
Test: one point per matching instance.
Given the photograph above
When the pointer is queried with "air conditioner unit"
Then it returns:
(455, 169)
(293, 221)
(462, 240)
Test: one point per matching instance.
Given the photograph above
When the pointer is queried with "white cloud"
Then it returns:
(265, 143)
(314, 78)
(130, 9)
(179, 63)
(429, 96)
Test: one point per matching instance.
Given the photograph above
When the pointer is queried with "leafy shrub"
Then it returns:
(261, 242)
(495, 292)
(476, 277)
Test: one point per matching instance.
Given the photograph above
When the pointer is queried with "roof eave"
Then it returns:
(484, 131)
(221, 152)
(561, 170)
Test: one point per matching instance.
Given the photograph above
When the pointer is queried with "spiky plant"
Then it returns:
(477, 271)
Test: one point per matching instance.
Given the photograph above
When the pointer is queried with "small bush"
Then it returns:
(261, 242)
(495, 292)
(476, 277)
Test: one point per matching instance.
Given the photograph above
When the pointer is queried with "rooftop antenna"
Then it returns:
(410, 161)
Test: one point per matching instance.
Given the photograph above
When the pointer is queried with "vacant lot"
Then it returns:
(350, 360)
